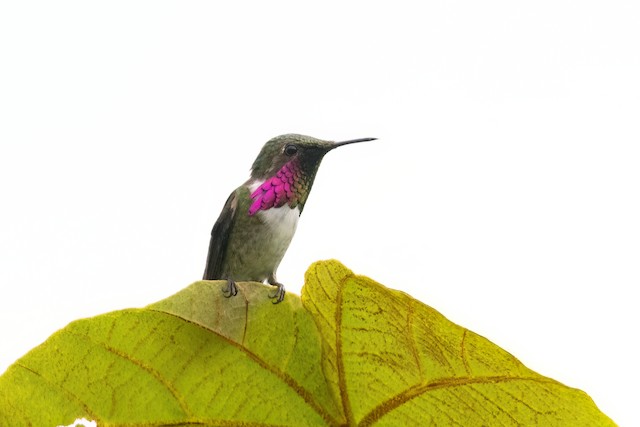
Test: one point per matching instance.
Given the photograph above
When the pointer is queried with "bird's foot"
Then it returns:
(278, 295)
(231, 290)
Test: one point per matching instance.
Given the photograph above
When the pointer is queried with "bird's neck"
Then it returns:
(289, 186)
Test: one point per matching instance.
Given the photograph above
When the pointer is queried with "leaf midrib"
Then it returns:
(418, 389)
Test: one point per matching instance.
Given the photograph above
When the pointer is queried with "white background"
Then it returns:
(503, 190)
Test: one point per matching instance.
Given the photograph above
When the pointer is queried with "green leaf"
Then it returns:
(395, 361)
(349, 352)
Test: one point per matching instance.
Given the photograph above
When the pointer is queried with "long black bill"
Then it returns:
(352, 141)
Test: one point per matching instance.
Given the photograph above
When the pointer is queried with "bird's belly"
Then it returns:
(257, 255)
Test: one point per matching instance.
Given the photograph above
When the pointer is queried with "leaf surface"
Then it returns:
(396, 361)
(348, 352)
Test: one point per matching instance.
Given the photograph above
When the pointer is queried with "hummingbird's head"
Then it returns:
(296, 159)
(305, 151)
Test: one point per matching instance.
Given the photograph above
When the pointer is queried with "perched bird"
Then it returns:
(260, 217)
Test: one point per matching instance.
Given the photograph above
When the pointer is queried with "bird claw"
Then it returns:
(231, 290)
(278, 294)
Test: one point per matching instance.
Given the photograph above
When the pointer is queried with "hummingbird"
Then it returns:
(260, 217)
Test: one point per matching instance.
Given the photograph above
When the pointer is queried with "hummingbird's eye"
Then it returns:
(290, 150)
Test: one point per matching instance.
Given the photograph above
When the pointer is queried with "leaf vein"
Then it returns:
(463, 352)
(497, 406)
(165, 382)
(54, 385)
(419, 389)
(412, 341)
(288, 380)
(446, 413)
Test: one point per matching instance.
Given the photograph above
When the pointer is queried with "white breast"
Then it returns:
(281, 221)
